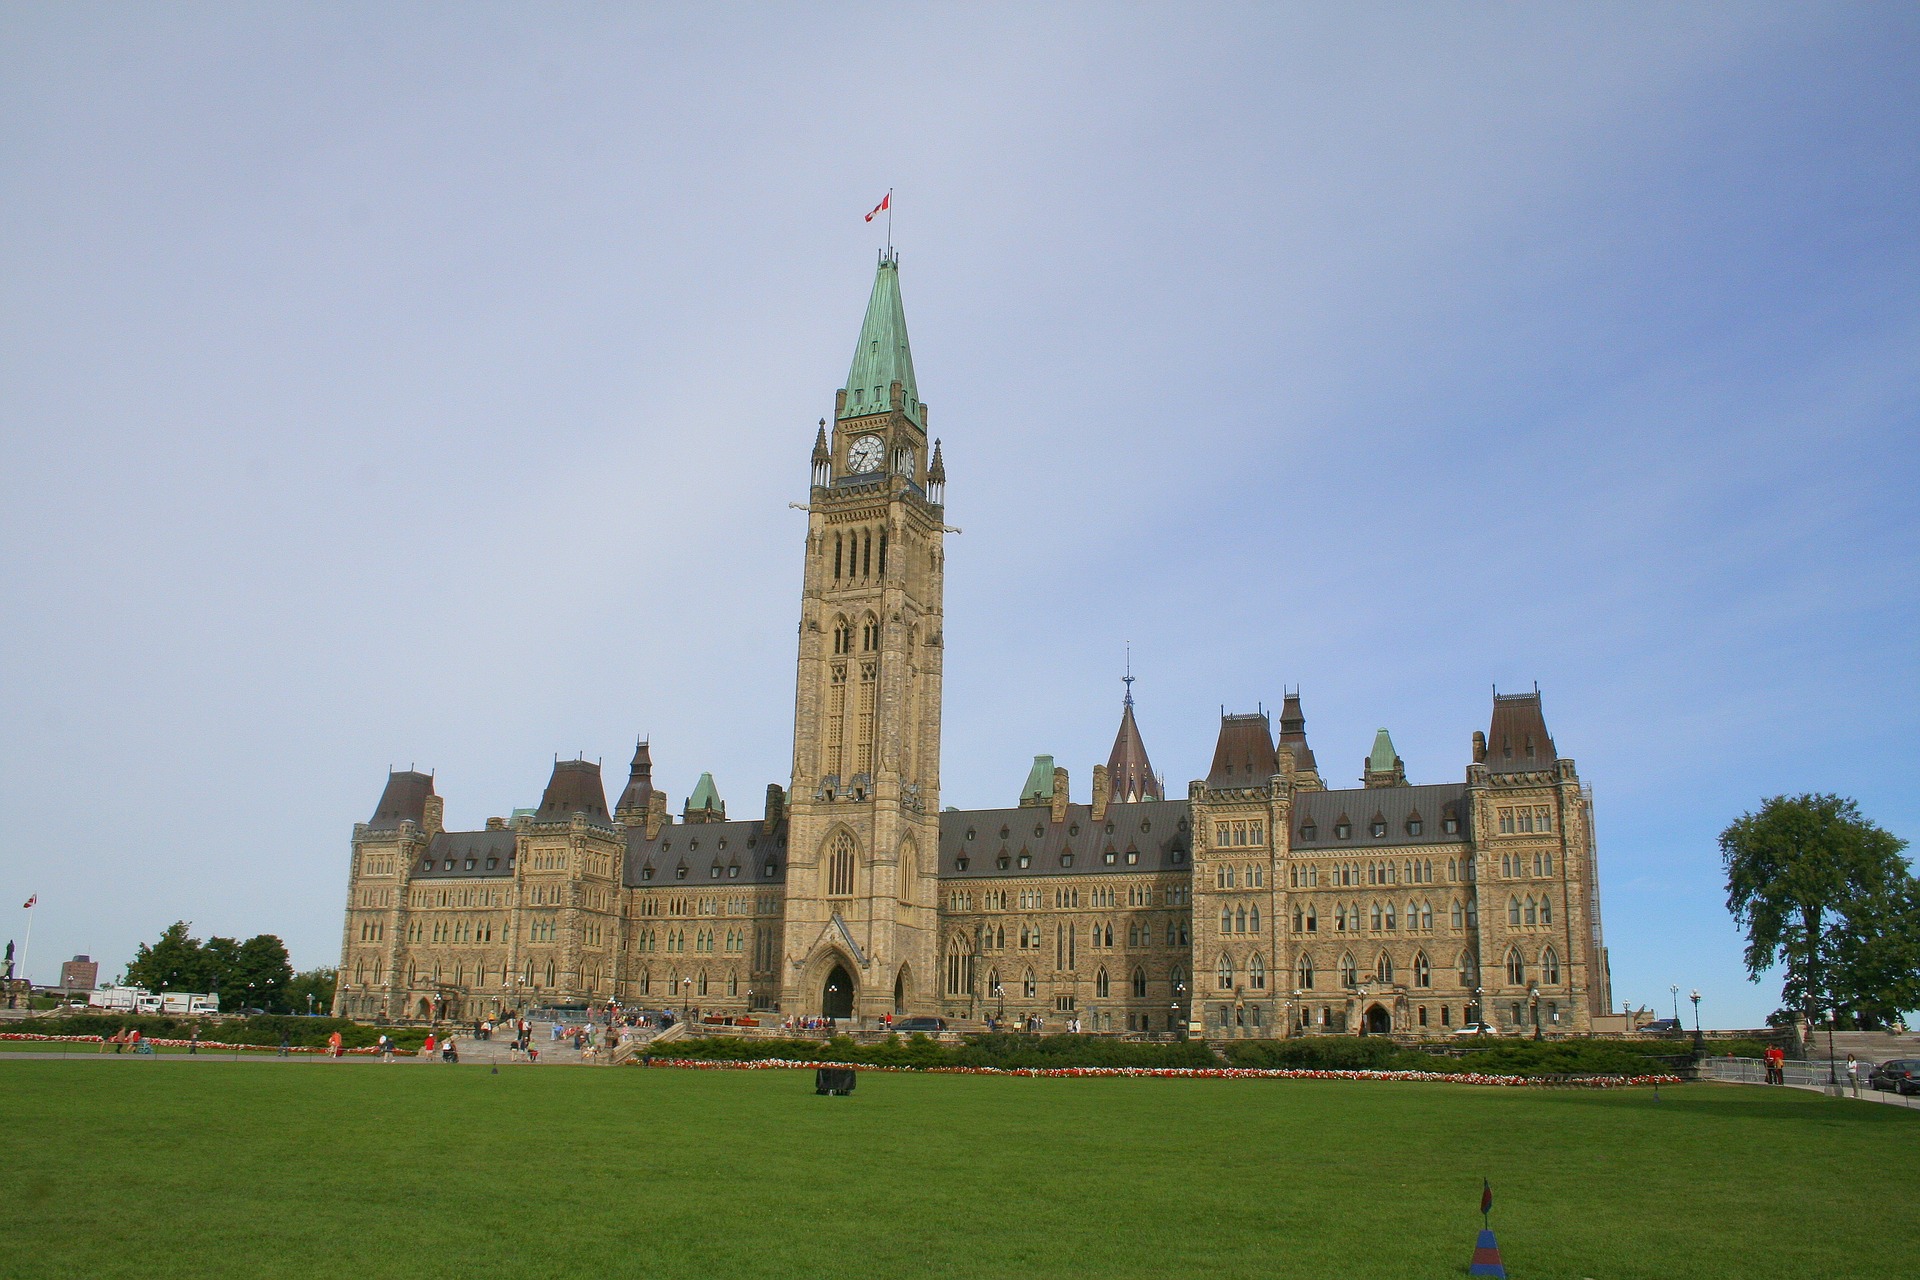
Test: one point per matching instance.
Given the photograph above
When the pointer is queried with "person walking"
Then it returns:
(193, 1042)
(286, 1045)
(333, 1045)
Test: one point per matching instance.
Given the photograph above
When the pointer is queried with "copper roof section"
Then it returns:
(1517, 740)
(574, 788)
(1129, 772)
(1244, 755)
(404, 800)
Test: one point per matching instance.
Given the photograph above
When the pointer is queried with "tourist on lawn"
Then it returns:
(193, 1041)
(286, 1045)
(333, 1045)
(1853, 1074)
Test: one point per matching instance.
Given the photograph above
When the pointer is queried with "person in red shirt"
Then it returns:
(1776, 1064)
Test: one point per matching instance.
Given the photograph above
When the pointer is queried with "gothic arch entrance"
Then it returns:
(902, 990)
(1379, 1021)
(836, 994)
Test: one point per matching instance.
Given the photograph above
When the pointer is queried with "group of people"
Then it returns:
(125, 1039)
(794, 1022)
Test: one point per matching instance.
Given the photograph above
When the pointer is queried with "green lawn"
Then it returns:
(358, 1169)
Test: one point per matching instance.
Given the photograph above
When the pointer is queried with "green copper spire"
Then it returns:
(883, 357)
(1039, 788)
(1381, 761)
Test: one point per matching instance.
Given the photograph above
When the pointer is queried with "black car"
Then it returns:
(1902, 1075)
(920, 1023)
(1662, 1027)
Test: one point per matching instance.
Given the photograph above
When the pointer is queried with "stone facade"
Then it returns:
(1262, 903)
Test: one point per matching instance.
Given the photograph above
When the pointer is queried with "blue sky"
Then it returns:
(391, 385)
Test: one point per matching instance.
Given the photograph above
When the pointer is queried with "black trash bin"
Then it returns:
(835, 1081)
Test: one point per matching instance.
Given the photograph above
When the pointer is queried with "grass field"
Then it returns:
(159, 1168)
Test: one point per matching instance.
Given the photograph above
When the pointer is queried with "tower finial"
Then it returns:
(1128, 678)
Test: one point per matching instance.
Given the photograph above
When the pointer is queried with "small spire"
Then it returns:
(1127, 679)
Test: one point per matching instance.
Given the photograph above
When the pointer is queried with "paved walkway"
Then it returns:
(484, 1052)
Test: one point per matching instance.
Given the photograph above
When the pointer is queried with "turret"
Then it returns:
(1384, 767)
(632, 809)
(705, 804)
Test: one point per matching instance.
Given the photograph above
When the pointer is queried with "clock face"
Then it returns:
(905, 465)
(864, 456)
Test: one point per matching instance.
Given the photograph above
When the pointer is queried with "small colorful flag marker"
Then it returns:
(1486, 1250)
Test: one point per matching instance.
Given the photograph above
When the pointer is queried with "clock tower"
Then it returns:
(864, 817)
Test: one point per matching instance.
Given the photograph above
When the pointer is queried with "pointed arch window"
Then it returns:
(1516, 967)
(550, 974)
(1549, 966)
(1469, 971)
(840, 866)
(1532, 913)
(1226, 919)
(700, 985)
(1102, 986)
(1257, 973)
(1376, 915)
(1513, 911)
(1349, 972)
(1422, 971)
(1225, 972)
(1546, 911)
(1303, 973)
(1139, 983)
(1253, 918)
(1030, 987)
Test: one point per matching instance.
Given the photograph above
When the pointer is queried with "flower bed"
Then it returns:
(165, 1042)
(1183, 1073)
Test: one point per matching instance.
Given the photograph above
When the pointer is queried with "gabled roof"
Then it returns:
(882, 356)
(404, 800)
(1244, 754)
(1129, 772)
(706, 854)
(1321, 812)
(1149, 836)
(1517, 740)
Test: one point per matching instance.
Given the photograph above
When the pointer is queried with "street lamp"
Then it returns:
(1297, 993)
(1676, 1005)
(1479, 1018)
(1179, 1007)
(1699, 1041)
(1533, 1003)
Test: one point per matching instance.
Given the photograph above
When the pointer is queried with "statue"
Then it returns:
(9, 959)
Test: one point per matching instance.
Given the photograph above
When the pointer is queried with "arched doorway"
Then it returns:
(1379, 1021)
(902, 989)
(836, 996)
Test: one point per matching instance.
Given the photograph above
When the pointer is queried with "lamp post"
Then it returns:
(1533, 1005)
(1179, 1008)
(1360, 1010)
(1699, 1041)
(1290, 1003)
(1000, 995)
(1479, 1018)
(1675, 989)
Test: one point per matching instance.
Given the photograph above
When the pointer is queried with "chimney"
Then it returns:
(496, 824)
(1479, 747)
(1060, 796)
(656, 813)
(776, 808)
(435, 815)
(1100, 797)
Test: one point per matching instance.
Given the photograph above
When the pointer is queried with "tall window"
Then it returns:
(1139, 983)
(1513, 911)
(1516, 967)
(1101, 986)
(1031, 987)
(1383, 967)
(1349, 973)
(1546, 911)
(1257, 973)
(1422, 971)
(1303, 974)
(1549, 966)
(1225, 973)
(840, 867)
(863, 745)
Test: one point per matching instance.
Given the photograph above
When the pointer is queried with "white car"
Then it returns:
(1477, 1029)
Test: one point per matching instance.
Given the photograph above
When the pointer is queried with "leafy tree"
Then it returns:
(1825, 894)
(317, 983)
(174, 963)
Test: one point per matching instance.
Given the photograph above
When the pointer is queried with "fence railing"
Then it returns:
(1830, 1077)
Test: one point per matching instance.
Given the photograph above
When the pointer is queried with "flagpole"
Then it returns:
(889, 222)
(27, 946)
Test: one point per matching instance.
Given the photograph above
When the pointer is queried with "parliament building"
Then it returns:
(1262, 902)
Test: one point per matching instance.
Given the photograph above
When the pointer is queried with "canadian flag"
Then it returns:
(30, 901)
(886, 202)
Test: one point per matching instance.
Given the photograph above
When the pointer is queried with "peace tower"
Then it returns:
(863, 834)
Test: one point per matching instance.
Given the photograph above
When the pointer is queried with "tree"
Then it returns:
(1825, 894)
(174, 963)
(317, 983)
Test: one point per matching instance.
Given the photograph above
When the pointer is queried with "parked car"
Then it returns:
(1476, 1029)
(1902, 1075)
(1662, 1027)
(921, 1023)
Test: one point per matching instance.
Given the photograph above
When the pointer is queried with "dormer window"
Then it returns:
(773, 869)
(1003, 862)
(680, 872)
(646, 873)
(1179, 855)
(1066, 859)
(714, 873)
(493, 862)
(1343, 830)
(448, 865)
(1413, 826)
(1379, 829)
(471, 863)
(733, 872)
(1133, 857)
(960, 864)
(1450, 825)
(1529, 746)
(1111, 857)
(1309, 832)
(1026, 860)
(426, 864)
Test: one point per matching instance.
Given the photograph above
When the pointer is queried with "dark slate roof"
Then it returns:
(574, 788)
(1517, 740)
(1156, 830)
(1244, 754)
(1129, 772)
(404, 800)
(1396, 806)
(639, 779)
(461, 855)
(1293, 733)
(698, 846)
